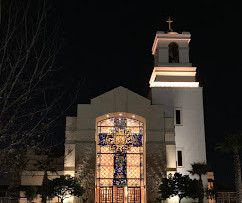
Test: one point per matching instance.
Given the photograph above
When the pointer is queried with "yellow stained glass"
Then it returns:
(133, 159)
(121, 131)
(107, 130)
(120, 140)
(134, 130)
(133, 182)
(107, 122)
(106, 182)
(132, 122)
(106, 171)
(106, 159)
(133, 172)
(134, 150)
(106, 149)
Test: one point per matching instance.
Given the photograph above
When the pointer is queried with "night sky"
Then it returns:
(108, 43)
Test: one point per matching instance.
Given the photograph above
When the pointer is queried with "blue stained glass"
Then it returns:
(120, 170)
(137, 140)
(102, 139)
(120, 122)
(119, 182)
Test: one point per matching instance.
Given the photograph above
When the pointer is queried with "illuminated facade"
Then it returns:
(118, 148)
(122, 144)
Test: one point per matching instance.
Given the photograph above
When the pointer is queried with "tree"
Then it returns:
(233, 144)
(64, 187)
(29, 98)
(85, 169)
(200, 169)
(28, 51)
(45, 164)
(31, 193)
(178, 185)
(15, 164)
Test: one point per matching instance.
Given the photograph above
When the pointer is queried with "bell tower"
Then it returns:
(171, 60)
(173, 84)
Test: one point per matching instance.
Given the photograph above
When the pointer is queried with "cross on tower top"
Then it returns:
(169, 21)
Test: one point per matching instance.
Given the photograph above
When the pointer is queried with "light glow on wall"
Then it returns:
(69, 199)
(176, 73)
(174, 84)
(173, 199)
(185, 77)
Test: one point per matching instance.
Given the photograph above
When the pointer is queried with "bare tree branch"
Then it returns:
(29, 99)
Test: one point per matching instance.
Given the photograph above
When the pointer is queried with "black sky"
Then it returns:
(108, 43)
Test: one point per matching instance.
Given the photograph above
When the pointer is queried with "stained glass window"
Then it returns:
(120, 153)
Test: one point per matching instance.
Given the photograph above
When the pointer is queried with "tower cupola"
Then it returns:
(172, 67)
(171, 49)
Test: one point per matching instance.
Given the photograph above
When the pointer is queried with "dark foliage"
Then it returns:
(179, 185)
(64, 187)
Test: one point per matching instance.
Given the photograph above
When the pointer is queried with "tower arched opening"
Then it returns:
(173, 51)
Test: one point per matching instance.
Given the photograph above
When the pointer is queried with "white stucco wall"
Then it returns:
(190, 135)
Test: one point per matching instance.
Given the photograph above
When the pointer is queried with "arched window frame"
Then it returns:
(139, 192)
(173, 52)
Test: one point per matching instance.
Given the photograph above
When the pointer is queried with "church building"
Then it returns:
(121, 144)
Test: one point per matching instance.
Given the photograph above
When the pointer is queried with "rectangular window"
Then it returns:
(180, 157)
(178, 116)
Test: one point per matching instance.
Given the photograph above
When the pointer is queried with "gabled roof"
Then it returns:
(120, 94)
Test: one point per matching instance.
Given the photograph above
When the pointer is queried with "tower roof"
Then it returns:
(170, 37)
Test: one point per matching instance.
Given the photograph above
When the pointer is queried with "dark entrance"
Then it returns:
(117, 195)
(106, 195)
(134, 195)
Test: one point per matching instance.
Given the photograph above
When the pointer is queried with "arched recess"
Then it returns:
(173, 51)
(120, 158)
